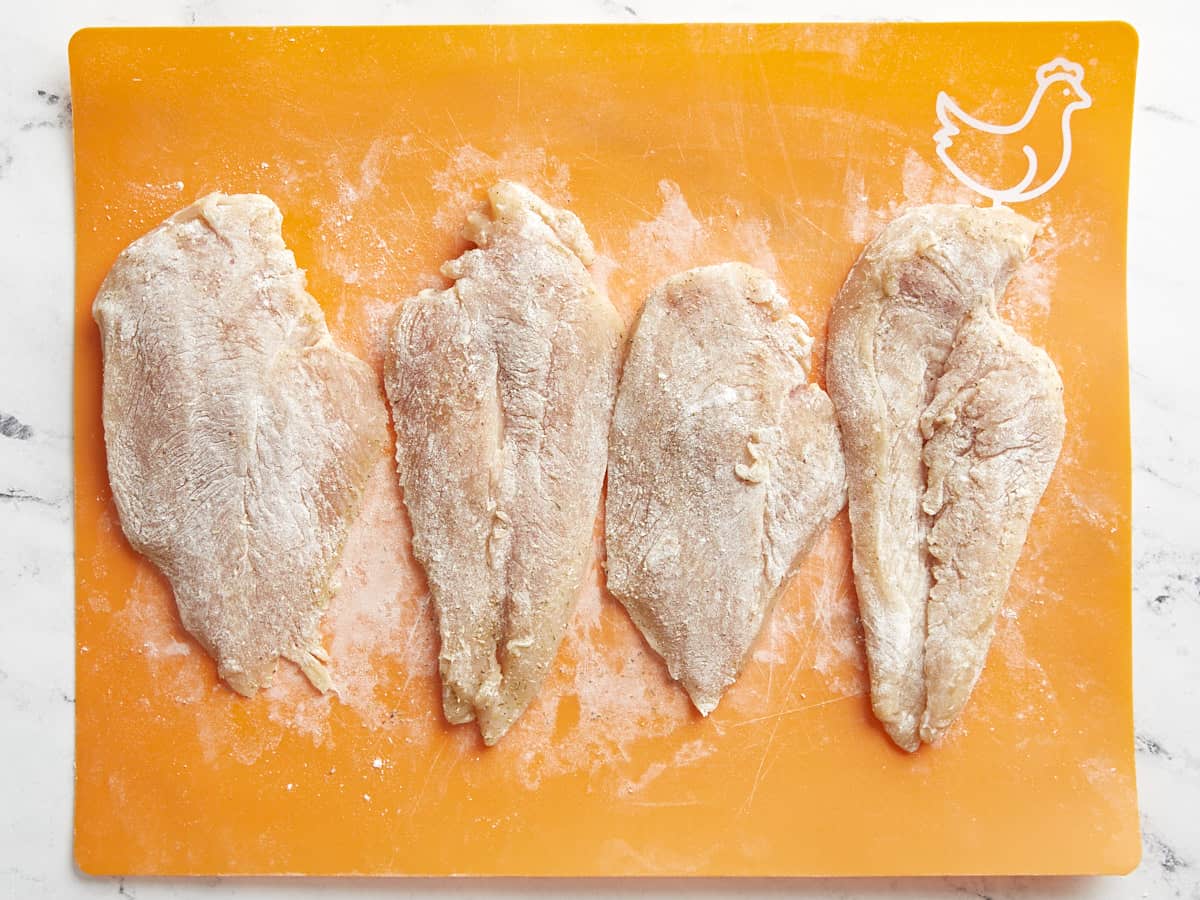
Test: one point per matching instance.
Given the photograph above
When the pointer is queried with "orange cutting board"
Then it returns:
(785, 146)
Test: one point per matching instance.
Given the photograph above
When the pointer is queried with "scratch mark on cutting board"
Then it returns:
(454, 122)
(795, 710)
(637, 206)
(817, 228)
(663, 803)
(783, 150)
(762, 763)
(429, 774)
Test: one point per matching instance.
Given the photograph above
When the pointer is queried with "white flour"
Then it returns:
(468, 174)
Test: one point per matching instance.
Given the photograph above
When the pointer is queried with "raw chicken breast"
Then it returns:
(993, 433)
(502, 389)
(902, 343)
(724, 465)
(239, 437)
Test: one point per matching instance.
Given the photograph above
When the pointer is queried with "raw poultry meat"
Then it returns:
(724, 465)
(239, 437)
(502, 389)
(952, 424)
(993, 433)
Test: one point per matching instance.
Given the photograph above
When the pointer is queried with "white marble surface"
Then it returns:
(36, 580)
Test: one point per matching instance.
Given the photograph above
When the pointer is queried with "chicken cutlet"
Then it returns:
(993, 433)
(724, 465)
(239, 437)
(951, 425)
(502, 388)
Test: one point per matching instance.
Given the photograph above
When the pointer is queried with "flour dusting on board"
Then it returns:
(464, 180)
(614, 694)
(184, 674)
(920, 183)
(384, 622)
(378, 623)
(826, 626)
(753, 240)
(811, 641)
(669, 241)
(691, 752)
(358, 236)
(676, 238)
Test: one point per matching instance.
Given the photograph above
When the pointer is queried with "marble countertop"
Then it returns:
(36, 565)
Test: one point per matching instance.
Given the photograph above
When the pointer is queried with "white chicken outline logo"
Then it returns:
(1058, 71)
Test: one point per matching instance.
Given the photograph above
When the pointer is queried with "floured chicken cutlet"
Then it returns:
(239, 437)
(502, 389)
(724, 465)
(952, 425)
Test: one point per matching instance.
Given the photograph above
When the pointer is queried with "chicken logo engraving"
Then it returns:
(1059, 94)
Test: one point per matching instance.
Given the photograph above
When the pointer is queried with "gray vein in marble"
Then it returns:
(971, 892)
(1183, 585)
(1169, 482)
(61, 103)
(1155, 752)
(1168, 858)
(13, 874)
(617, 8)
(1147, 744)
(12, 427)
(1169, 114)
(193, 11)
(15, 495)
